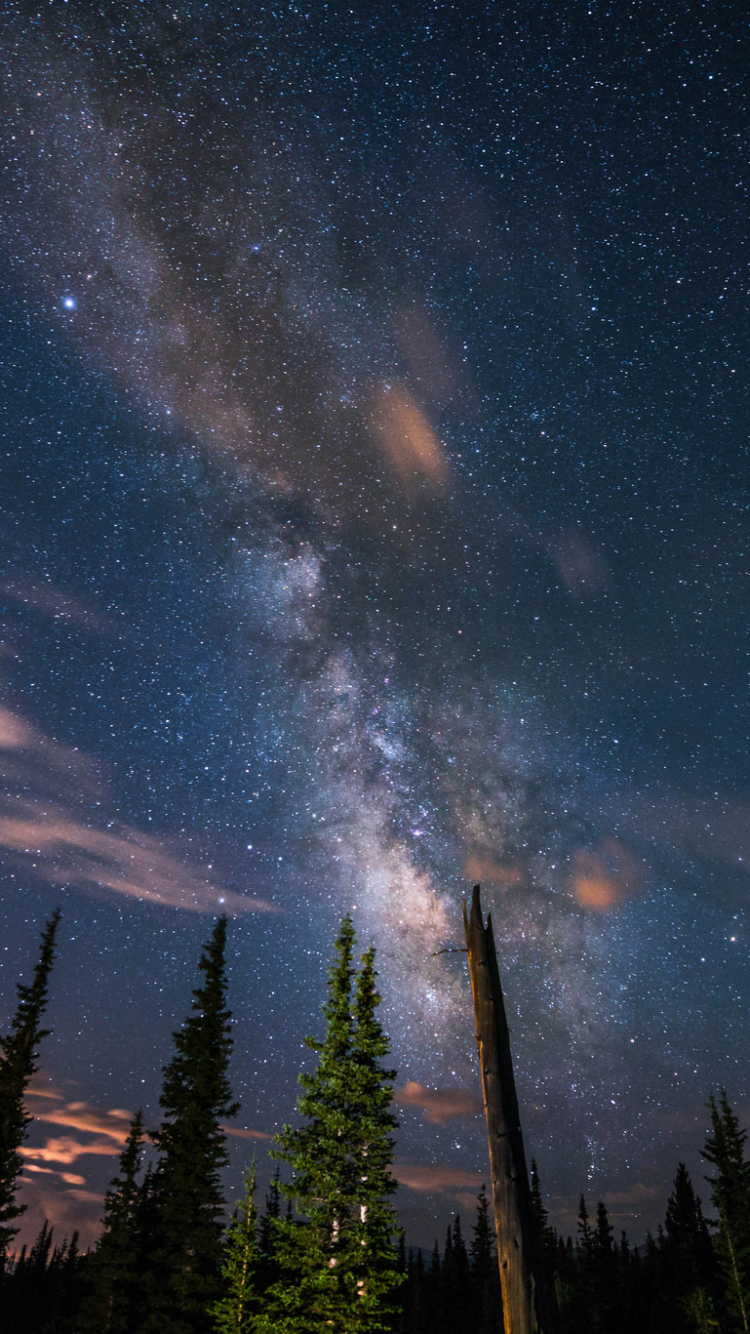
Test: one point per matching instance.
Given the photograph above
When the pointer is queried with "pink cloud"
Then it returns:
(238, 1133)
(49, 832)
(52, 601)
(122, 859)
(439, 1105)
(436, 1178)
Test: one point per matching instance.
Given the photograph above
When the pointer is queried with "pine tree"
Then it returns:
(579, 1315)
(113, 1305)
(730, 1194)
(486, 1303)
(455, 1312)
(18, 1064)
(271, 1215)
(687, 1258)
(605, 1274)
(186, 1195)
(268, 1270)
(338, 1265)
(236, 1310)
(545, 1237)
(378, 1271)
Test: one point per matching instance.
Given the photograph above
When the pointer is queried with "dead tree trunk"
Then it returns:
(524, 1304)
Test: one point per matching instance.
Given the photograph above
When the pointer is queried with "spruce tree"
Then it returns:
(338, 1264)
(730, 1194)
(545, 1237)
(268, 1270)
(113, 1305)
(688, 1264)
(236, 1310)
(186, 1195)
(605, 1274)
(18, 1064)
(486, 1303)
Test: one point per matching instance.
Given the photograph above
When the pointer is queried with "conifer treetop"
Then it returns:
(18, 1064)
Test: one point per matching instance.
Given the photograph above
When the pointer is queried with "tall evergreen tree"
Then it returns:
(18, 1063)
(730, 1194)
(187, 1201)
(236, 1310)
(605, 1274)
(486, 1304)
(545, 1237)
(688, 1263)
(113, 1305)
(338, 1265)
(268, 1270)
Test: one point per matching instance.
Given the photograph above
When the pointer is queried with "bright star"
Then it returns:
(69, 302)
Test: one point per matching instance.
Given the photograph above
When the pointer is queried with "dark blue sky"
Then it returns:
(373, 519)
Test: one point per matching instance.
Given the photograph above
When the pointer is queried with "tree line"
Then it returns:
(326, 1252)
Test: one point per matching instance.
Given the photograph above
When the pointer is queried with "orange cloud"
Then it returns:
(65, 1149)
(408, 441)
(478, 869)
(439, 1105)
(69, 1178)
(105, 1131)
(604, 879)
(114, 1124)
(432, 1179)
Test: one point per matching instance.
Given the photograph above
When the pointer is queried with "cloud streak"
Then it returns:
(436, 1179)
(438, 1105)
(45, 832)
(51, 601)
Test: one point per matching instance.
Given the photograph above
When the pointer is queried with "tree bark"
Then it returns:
(524, 1305)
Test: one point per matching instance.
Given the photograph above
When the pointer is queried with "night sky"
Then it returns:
(373, 520)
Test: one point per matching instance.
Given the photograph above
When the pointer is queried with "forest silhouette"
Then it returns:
(325, 1251)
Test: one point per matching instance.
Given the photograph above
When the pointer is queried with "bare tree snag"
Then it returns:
(524, 1305)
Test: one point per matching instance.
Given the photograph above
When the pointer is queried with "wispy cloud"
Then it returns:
(439, 1105)
(436, 1178)
(49, 1188)
(49, 833)
(112, 1124)
(99, 1133)
(48, 600)
(239, 1132)
(64, 850)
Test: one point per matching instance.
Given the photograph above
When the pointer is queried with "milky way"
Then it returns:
(373, 516)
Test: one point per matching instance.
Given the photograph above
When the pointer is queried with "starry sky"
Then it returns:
(373, 521)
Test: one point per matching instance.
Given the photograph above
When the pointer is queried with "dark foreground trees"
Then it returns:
(187, 1204)
(730, 1196)
(236, 1310)
(114, 1298)
(157, 1265)
(18, 1063)
(338, 1264)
